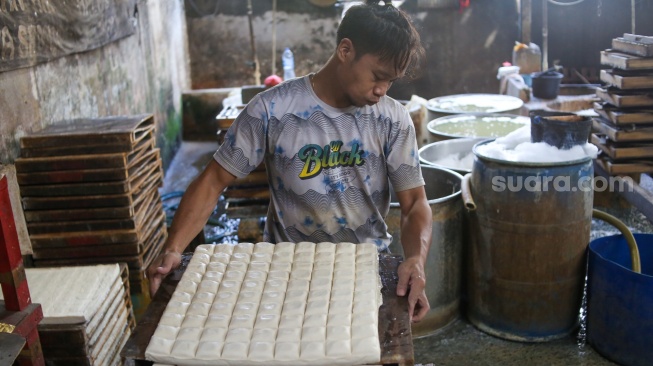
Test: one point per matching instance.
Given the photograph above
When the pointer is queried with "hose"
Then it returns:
(630, 239)
(466, 193)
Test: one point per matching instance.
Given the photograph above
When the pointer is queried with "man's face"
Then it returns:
(366, 79)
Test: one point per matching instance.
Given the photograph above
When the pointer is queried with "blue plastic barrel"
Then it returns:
(620, 301)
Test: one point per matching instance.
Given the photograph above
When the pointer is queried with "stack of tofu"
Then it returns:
(624, 128)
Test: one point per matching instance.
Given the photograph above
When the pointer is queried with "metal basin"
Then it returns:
(475, 125)
(450, 154)
(472, 103)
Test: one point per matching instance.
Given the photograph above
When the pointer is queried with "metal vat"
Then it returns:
(476, 125)
(449, 154)
(444, 261)
(526, 256)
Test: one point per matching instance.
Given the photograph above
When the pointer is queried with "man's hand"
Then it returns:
(412, 281)
(161, 267)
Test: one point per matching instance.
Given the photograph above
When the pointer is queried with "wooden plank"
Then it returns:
(249, 193)
(622, 116)
(622, 151)
(627, 80)
(622, 133)
(626, 98)
(633, 46)
(115, 130)
(394, 326)
(626, 167)
(625, 61)
(35, 32)
(228, 115)
(9, 171)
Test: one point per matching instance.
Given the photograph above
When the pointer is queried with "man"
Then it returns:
(332, 143)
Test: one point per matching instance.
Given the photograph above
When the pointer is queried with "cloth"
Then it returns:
(329, 169)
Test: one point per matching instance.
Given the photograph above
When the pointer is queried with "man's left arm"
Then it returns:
(416, 227)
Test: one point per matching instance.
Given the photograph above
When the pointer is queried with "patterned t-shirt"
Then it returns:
(329, 169)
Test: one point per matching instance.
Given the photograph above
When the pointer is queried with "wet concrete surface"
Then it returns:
(460, 343)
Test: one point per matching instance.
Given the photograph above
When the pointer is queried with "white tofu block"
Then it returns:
(222, 308)
(236, 335)
(337, 319)
(280, 266)
(313, 334)
(286, 351)
(249, 308)
(335, 332)
(250, 296)
(171, 318)
(319, 294)
(166, 332)
(272, 308)
(246, 248)
(239, 257)
(365, 346)
(338, 348)
(198, 308)
(213, 276)
(204, 297)
(208, 286)
(276, 297)
(305, 246)
(189, 334)
(216, 335)
(325, 247)
(181, 297)
(340, 306)
(317, 307)
(235, 351)
(259, 266)
(289, 335)
(193, 321)
(267, 321)
(264, 247)
(242, 321)
(184, 349)
(261, 351)
(223, 248)
(160, 346)
(209, 350)
(311, 351)
(284, 247)
(217, 321)
(364, 331)
(264, 335)
(316, 320)
(294, 307)
(220, 257)
(290, 321)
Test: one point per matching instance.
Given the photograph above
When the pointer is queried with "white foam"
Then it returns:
(516, 147)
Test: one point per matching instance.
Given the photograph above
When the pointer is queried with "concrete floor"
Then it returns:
(461, 343)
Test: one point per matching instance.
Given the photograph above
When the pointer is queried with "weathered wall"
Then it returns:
(464, 48)
(142, 73)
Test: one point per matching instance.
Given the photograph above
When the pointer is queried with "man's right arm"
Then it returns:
(195, 207)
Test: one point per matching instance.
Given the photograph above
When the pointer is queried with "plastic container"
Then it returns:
(288, 62)
(546, 85)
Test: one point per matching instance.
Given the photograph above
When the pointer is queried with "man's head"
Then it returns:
(377, 44)
(383, 31)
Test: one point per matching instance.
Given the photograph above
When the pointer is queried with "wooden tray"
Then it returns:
(623, 116)
(625, 61)
(228, 115)
(628, 79)
(90, 175)
(120, 132)
(634, 45)
(628, 133)
(626, 98)
(394, 326)
(625, 167)
(621, 151)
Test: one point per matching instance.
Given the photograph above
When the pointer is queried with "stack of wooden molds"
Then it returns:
(89, 190)
(246, 198)
(87, 313)
(624, 128)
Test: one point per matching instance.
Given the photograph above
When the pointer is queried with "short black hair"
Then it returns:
(385, 31)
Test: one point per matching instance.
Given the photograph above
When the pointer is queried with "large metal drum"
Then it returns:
(444, 261)
(472, 103)
(526, 260)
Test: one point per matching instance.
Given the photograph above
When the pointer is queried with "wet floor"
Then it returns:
(460, 343)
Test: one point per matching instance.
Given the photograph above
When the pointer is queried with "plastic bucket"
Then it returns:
(546, 85)
(620, 301)
(526, 257)
(444, 261)
(559, 129)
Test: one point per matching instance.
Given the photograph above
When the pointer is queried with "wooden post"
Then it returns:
(19, 314)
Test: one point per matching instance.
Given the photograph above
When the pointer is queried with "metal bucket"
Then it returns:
(526, 261)
(440, 153)
(444, 261)
(620, 301)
